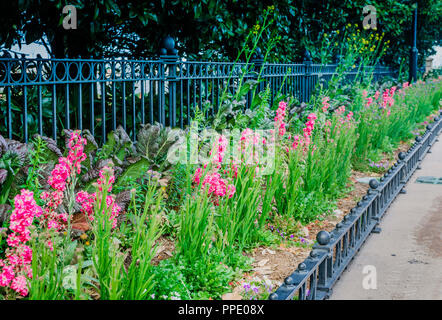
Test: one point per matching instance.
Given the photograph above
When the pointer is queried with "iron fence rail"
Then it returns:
(314, 278)
(45, 96)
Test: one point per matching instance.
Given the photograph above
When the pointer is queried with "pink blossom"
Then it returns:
(19, 255)
(296, 140)
(7, 275)
(19, 285)
(280, 118)
(88, 201)
(63, 174)
(376, 95)
(196, 176)
(325, 104)
(340, 110)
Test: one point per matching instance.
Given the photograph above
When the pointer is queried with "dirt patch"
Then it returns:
(403, 147)
(359, 189)
(276, 264)
(166, 248)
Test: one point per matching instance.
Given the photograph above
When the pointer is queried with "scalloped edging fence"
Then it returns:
(314, 278)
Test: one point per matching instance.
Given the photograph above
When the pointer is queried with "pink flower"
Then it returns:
(296, 140)
(231, 190)
(63, 174)
(19, 255)
(376, 95)
(325, 104)
(220, 150)
(53, 224)
(280, 118)
(217, 187)
(282, 129)
(340, 110)
(19, 285)
(87, 201)
(6, 276)
(197, 175)
(103, 176)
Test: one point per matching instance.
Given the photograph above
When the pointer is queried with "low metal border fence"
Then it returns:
(314, 278)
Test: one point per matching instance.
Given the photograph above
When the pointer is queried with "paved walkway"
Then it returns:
(407, 254)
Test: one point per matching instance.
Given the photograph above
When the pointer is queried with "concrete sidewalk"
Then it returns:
(407, 254)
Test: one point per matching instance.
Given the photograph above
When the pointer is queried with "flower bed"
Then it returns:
(129, 221)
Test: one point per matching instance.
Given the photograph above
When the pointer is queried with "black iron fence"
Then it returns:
(47, 95)
(314, 278)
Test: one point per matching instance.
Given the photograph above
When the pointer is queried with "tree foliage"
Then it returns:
(213, 29)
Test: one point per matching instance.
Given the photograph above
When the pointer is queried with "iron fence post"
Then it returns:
(413, 51)
(258, 66)
(169, 57)
(307, 61)
(325, 270)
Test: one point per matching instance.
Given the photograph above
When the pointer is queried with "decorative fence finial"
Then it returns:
(402, 155)
(307, 56)
(168, 46)
(323, 237)
(373, 183)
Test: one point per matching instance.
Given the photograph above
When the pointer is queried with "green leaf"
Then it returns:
(97, 11)
(69, 252)
(112, 5)
(134, 171)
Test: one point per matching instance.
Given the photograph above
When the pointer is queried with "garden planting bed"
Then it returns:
(274, 264)
(316, 275)
(124, 222)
